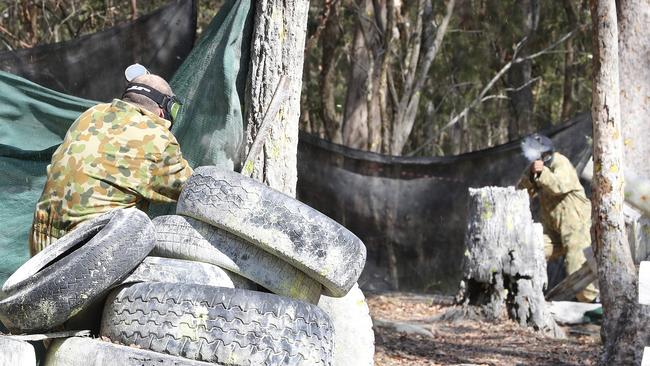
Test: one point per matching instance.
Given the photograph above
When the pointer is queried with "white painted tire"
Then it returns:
(79, 351)
(16, 353)
(354, 339)
(281, 225)
(187, 238)
(157, 269)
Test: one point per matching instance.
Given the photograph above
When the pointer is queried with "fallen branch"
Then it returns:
(572, 284)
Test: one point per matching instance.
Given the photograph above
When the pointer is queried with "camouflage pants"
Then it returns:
(41, 236)
(570, 245)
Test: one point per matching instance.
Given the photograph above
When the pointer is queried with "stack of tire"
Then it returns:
(242, 275)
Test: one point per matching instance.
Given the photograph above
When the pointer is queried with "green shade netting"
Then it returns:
(34, 120)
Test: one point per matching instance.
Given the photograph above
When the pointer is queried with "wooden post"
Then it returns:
(504, 267)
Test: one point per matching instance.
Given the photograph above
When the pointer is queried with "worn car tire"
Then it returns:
(81, 234)
(188, 238)
(156, 269)
(78, 351)
(277, 223)
(354, 339)
(216, 324)
(14, 352)
(66, 283)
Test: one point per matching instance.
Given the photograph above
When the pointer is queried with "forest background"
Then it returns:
(416, 78)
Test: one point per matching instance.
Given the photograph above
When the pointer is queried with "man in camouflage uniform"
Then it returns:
(115, 155)
(565, 211)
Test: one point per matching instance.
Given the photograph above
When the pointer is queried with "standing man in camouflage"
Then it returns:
(115, 155)
(565, 209)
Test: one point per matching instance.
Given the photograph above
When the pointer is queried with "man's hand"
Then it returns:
(536, 167)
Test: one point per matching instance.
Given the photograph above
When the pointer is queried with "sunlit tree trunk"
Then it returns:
(625, 322)
(382, 101)
(362, 121)
(425, 44)
(277, 48)
(634, 63)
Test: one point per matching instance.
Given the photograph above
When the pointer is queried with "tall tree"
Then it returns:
(366, 92)
(634, 48)
(625, 321)
(401, 42)
(372, 94)
(423, 44)
(519, 78)
(355, 121)
(331, 42)
(277, 49)
(569, 64)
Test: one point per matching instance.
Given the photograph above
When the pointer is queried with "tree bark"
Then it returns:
(362, 124)
(504, 267)
(330, 42)
(519, 76)
(427, 42)
(624, 320)
(277, 48)
(355, 121)
(569, 67)
(634, 49)
(374, 36)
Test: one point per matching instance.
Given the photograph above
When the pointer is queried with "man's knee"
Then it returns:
(552, 250)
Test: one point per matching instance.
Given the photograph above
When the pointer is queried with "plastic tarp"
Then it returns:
(411, 212)
(34, 119)
(90, 66)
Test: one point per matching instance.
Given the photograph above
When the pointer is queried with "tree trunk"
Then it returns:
(355, 120)
(634, 49)
(504, 267)
(519, 76)
(428, 40)
(277, 48)
(330, 42)
(374, 36)
(624, 320)
(569, 67)
(362, 125)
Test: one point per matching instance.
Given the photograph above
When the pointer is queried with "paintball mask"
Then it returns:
(170, 104)
(537, 147)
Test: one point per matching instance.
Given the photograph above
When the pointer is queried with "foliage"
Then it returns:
(480, 41)
(27, 23)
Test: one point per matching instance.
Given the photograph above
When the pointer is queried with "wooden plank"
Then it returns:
(569, 287)
(644, 283)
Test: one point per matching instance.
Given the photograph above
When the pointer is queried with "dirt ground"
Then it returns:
(422, 340)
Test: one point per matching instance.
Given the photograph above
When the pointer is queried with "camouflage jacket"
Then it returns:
(562, 198)
(114, 155)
